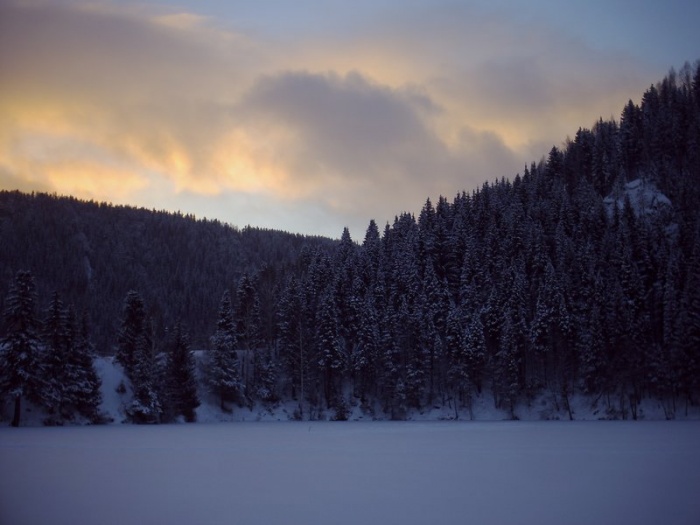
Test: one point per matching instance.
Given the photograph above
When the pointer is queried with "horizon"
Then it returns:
(313, 117)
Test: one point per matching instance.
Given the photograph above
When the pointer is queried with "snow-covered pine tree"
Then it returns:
(55, 359)
(222, 368)
(457, 376)
(82, 383)
(688, 359)
(331, 359)
(136, 353)
(475, 347)
(435, 306)
(20, 364)
(347, 289)
(132, 331)
(247, 315)
(506, 366)
(392, 388)
(181, 385)
(364, 358)
(294, 339)
(370, 254)
(248, 332)
(267, 370)
(415, 356)
(146, 404)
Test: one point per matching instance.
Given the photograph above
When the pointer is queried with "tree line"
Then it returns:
(93, 254)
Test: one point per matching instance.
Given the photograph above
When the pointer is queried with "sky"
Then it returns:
(311, 116)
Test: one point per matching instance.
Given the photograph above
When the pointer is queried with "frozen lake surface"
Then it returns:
(353, 473)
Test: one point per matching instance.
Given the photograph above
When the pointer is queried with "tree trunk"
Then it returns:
(18, 411)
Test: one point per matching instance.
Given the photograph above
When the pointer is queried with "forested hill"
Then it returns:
(580, 275)
(94, 253)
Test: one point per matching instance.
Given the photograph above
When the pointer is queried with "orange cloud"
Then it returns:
(103, 99)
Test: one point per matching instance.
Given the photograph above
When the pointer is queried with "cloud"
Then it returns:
(362, 146)
(360, 117)
(147, 91)
(345, 123)
(505, 70)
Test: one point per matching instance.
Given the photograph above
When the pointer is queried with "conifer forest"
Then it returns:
(578, 276)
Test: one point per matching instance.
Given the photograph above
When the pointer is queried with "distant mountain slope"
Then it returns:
(93, 254)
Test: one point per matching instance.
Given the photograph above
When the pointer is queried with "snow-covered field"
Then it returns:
(595, 472)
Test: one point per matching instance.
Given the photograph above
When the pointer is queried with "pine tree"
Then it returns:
(370, 254)
(475, 347)
(364, 359)
(247, 314)
(631, 144)
(458, 380)
(295, 339)
(223, 370)
(330, 357)
(267, 369)
(180, 377)
(20, 364)
(688, 358)
(550, 330)
(57, 345)
(393, 392)
(83, 384)
(136, 354)
(435, 308)
(146, 406)
(248, 331)
(506, 381)
(132, 333)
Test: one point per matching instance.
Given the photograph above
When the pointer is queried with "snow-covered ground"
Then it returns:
(595, 472)
(544, 407)
(644, 197)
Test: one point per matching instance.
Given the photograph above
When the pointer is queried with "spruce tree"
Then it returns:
(330, 357)
(83, 384)
(146, 404)
(247, 315)
(506, 366)
(267, 369)
(180, 377)
(370, 254)
(223, 374)
(132, 333)
(392, 393)
(294, 339)
(688, 358)
(248, 331)
(364, 358)
(55, 356)
(136, 353)
(458, 380)
(475, 347)
(20, 363)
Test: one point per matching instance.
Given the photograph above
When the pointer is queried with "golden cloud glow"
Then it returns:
(93, 180)
(180, 20)
(107, 100)
(253, 165)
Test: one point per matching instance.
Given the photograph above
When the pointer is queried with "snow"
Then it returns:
(644, 197)
(601, 472)
(112, 376)
(543, 407)
(116, 395)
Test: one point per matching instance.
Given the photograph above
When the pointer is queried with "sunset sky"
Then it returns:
(310, 115)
